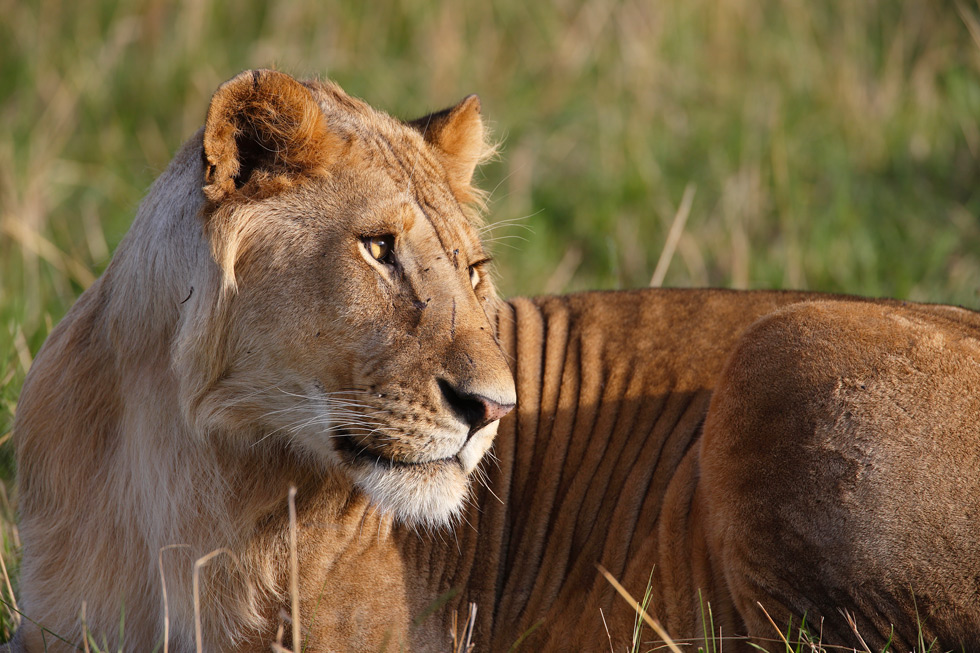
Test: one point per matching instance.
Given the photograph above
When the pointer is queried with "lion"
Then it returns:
(304, 308)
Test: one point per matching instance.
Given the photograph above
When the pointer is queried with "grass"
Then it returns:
(798, 638)
(829, 146)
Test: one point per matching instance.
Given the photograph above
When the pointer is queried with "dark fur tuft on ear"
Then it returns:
(458, 135)
(263, 129)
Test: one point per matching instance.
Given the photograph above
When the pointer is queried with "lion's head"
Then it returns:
(347, 307)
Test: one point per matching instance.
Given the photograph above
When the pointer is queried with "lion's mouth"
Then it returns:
(346, 445)
(415, 491)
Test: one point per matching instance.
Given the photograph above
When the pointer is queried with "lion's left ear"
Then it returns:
(458, 135)
(263, 126)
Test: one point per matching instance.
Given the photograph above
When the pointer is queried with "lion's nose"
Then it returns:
(475, 410)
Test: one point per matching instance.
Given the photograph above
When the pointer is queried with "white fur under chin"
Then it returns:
(430, 495)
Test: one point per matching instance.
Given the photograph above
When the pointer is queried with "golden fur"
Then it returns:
(811, 453)
(254, 332)
(245, 339)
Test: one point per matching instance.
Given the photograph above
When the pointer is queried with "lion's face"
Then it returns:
(355, 303)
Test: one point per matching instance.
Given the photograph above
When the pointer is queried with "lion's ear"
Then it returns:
(262, 125)
(459, 137)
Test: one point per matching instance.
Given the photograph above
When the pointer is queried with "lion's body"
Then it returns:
(599, 465)
(319, 316)
(603, 462)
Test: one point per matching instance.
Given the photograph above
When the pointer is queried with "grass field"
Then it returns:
(828, 146)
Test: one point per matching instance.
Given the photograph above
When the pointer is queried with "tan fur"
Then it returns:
(241, 330)
(841, 471)
(806, 452)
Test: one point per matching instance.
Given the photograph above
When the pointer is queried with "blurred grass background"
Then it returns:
(831, 146)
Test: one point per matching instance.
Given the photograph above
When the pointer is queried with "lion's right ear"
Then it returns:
(263, 127)
(459, 136)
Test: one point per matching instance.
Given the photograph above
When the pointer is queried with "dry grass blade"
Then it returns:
(463, 643)
(608, 635)
(42, 247)
(293, 568)
(853, 624)
(277, 646)
(650, 621)
(778, 631)
(23, 351)
(455, 632)
(468, 643)
(200, 562)
(10, 592)
(163, 588)
(84, 630)
(673, 236)
(972, 25)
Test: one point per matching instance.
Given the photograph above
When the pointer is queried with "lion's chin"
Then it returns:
(428, 494)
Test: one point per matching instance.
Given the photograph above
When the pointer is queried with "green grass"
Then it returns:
(831, 146)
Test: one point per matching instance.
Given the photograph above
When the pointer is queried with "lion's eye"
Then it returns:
(381, 248)
(476, 274)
